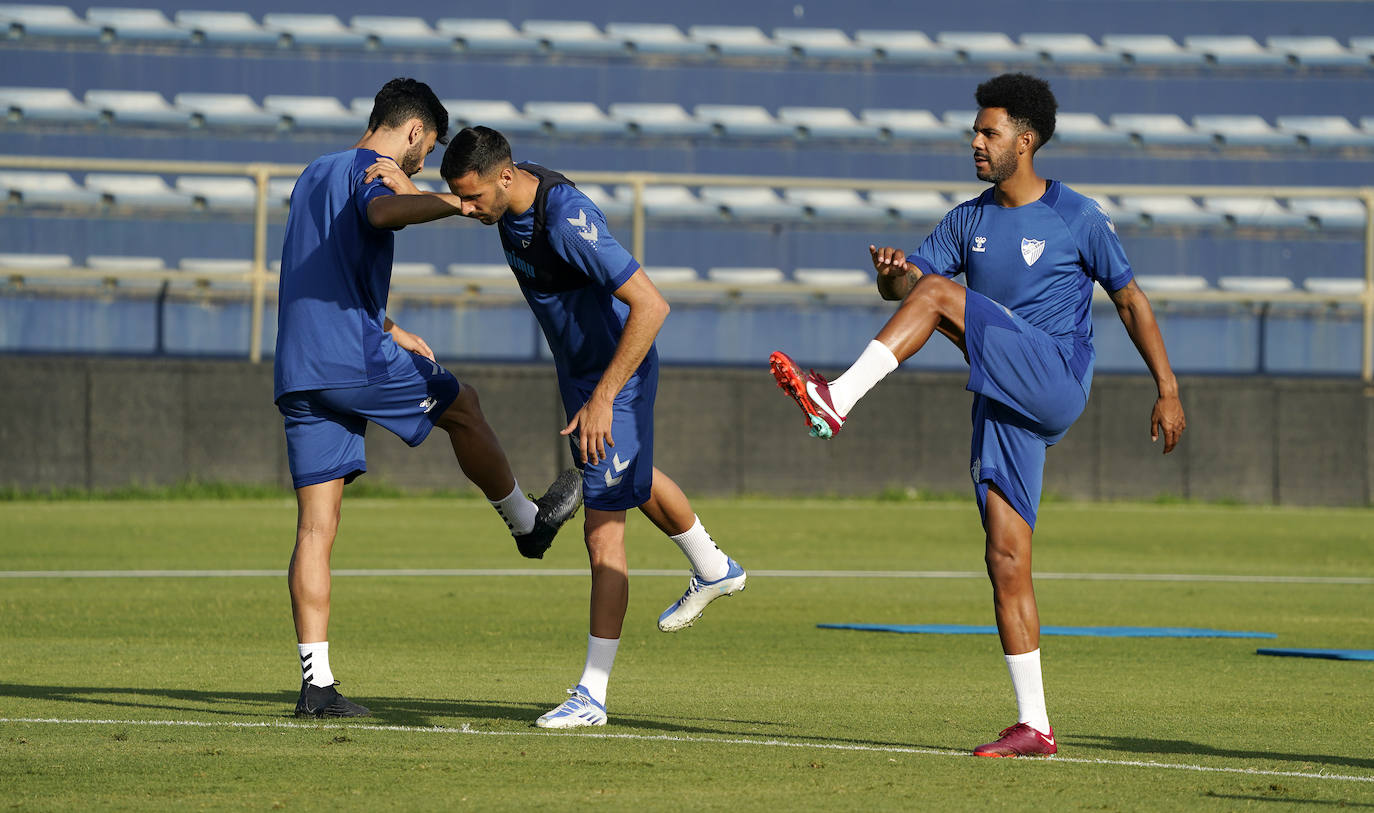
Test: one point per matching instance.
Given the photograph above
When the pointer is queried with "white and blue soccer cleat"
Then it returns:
(699, 593)
(578, 710)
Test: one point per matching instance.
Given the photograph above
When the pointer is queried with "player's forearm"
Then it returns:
(394, 211)
(641, 328)
(1139, 320)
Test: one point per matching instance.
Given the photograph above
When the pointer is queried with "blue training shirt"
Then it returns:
(1038, 260)
(335, 277)
(569, 279)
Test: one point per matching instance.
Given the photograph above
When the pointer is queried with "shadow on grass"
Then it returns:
(1144, 746)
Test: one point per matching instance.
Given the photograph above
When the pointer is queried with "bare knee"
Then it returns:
(936, 292)
(465, 411)
(1008, 565)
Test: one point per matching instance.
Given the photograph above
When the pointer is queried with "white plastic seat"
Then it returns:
(828, 122)
(1255, 285)
(316, 30)
(672, 275)
(136, 108)
(481, 271)
(655, 38)
(1087, 128)
(218, 266)
(610, 205)
(651, 118)
(1171, 283)
(1325, 131)
(1170, 210)
(146, 24)
(574, 118)
(279, 191)
(834, 204)
(911, 125)
(45, 262)
(751, 203)
(833, 277)
(1155, 129)
(1331, 213)
(114, 266)
(1151, 49)
(45, 104)
(822, 43)
(143, 190)
(225, 27)
(1255, 211)
(921, 207)
(577, 37)
(900, 47)
(1322, 51)
(986, 46)
(738, 40)
(37, 188)
(314, 113)
(1235, 50)
(664, 201)
(413, 269)
(217, 192)
(61, 22)
(498, 115)
(224, 110)
(962, 121)
(1070, 49)
(744, 121)
(486, 35)
(401, 33)
(1243, 131)
(1334, 286)
(733, 275)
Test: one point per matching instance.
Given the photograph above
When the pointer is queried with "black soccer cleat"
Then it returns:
(557, 506)
(325, 701)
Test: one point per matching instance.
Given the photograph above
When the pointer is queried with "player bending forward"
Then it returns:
(1030, 249)
(600, 314)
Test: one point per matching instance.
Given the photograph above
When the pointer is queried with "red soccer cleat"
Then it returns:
(1019, 741)
(810, 391)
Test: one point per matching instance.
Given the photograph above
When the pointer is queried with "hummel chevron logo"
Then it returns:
(619, 467)
(587, 231)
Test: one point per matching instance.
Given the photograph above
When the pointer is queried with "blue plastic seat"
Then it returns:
(738, 41)
(752, 203)
(486, 35)
(136, 108)
(1159, 129)
(1070, 49)
(574, 119)
(57, 22)
(313, 30)
(314, 113)
(577, 37)
(834, 205)
(822, 43)
(1317, 51)
(1325, 131)
(45, 189)
(137, 191)
(912, 125)
(1243, 131)
(905, 47)
(230, 110)
(136, 24)
(400, 33)
(225, 28)
(45, 104)
(498, 115)
(1255, 211)
(743, 121)
(1087, 128)
(1235, 50)
(828, 122)
(987, 46)
(659, 119)
(1151, 49)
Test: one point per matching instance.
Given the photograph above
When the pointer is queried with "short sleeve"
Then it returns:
(942, 252)
(578, 233)
(1103, 255)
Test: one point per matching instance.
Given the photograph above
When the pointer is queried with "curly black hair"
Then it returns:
(1027, 99)
(401, 100)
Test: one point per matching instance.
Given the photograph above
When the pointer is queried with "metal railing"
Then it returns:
(262, 281)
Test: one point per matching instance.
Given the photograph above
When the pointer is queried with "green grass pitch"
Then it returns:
(185, 682)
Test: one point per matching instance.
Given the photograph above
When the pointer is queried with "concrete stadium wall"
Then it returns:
(102, 423)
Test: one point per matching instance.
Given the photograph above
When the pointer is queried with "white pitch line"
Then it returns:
(785, 574)
(769, 743)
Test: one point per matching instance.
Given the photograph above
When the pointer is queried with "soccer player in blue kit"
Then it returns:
(1030, 249)
(600, 314)
(341, 362)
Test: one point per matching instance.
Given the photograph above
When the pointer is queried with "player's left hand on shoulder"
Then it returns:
(391, 176)
(1167, 419)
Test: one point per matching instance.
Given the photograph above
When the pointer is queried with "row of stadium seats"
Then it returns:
(228, 194)
(726, 279)
(582, 38)
(292, 113)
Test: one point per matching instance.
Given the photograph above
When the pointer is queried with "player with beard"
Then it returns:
(1030, 250)
(341, 362)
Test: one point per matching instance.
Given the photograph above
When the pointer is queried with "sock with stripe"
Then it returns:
(315, 663)
(517, 510)
(700, 549)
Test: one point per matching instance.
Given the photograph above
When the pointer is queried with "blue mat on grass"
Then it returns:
(1096, 632)
(1331, 654)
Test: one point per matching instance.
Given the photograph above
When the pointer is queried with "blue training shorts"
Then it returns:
(1025, 398)
(325, 428)
(625, 478)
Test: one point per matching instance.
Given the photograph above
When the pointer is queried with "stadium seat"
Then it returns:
(672, 275)
(1331, 213)
(1169, 210)
(1087, 128)
(961, 121)
(136, 108)
(28, 267)
(743, 121)
(219, 192)
(136, 24)
(314, 113)
(1070, 49)
(213, 267)
(834, 205)
(731, 275)
(751, 203)
(498, 115)
(833, 277)
(655, 39)
(1255, 211)
(45, 189)
(610, 205)
(1234, 50)
(58, 22)
(902, 47)
(671, 202)
(1159, 129)
(1363, 46)
(1334, 286)
(279, 191)
(1325, 131)
(821, 43)
(45, 104)
(1255, 285)
(828, 122)
(225, 28)
(499, 272)
(737, 40)
(1243, 131)
(919, 207)
(313, 30)
(413, 269)
(400, 33)
(912, 125)
(987, 46)
(659, 119)
(573, 37)
(1151, 49)
(111, 268)
(144, 191)
(1171, 283)
(230, 110)
(1317, 51)
(574, 119)
(484, 35)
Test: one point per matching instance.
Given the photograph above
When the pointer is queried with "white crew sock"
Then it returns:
(597, 673)
(700, 549)
(517, 510)
(872, 366)
(1030, 690)
(315, 663)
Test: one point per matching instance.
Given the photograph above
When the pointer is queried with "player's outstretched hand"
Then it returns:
(392, 177)
(592, 423)
(1167, 419)
(409, 341)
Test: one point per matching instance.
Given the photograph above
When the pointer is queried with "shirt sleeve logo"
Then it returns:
(1031, 250)
(587, 231)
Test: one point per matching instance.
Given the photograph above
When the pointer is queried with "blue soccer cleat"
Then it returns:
(578, 710)
(699, 593)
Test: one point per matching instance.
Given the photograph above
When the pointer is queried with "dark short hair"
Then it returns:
(475, 149)
(401, 100)
(1028, 101)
